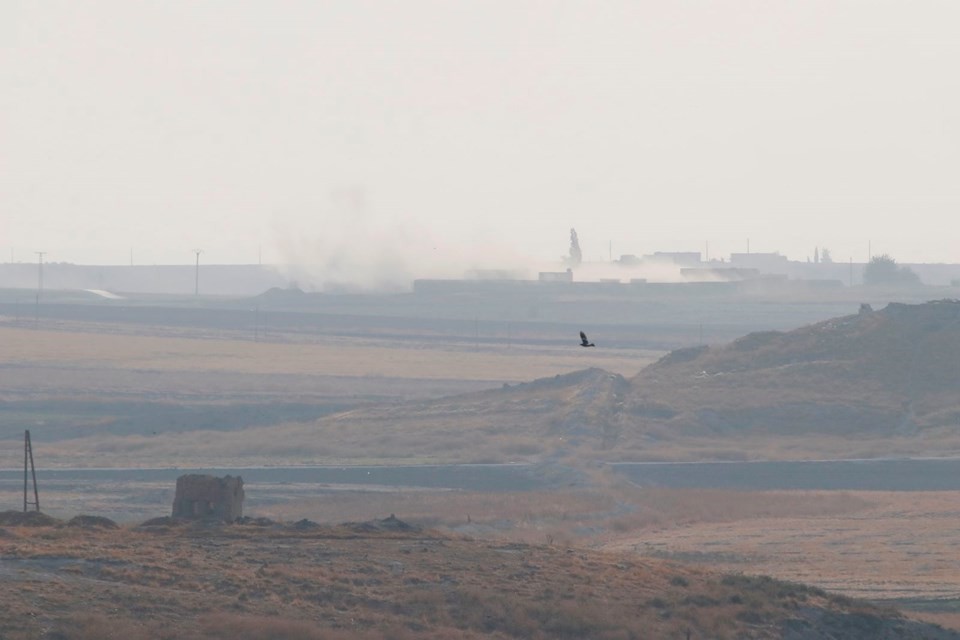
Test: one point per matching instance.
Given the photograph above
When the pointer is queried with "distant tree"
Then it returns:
(825, 256)
(884, 270)
(576, 256)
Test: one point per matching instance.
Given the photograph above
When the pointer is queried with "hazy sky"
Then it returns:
(412, 134)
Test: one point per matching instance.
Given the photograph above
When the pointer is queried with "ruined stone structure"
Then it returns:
(200, 496)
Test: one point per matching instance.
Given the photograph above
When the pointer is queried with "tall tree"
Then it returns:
(884, 270)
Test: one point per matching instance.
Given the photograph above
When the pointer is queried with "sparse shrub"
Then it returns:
(27, 519)
(750, 616)
(701, 600)
(92, 522)
(679, 581)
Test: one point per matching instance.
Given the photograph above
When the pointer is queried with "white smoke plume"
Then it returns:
(352, 247)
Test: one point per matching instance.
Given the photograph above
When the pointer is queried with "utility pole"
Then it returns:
(36, 305)
(40, 255)
(28, 460)
(196, 275)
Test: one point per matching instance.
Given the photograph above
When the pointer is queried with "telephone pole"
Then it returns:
(196, 275)
(28, 459)
(40, 255)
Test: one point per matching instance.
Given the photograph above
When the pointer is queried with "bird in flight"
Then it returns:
(584, 342)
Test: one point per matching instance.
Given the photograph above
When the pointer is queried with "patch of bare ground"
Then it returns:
(264, 581)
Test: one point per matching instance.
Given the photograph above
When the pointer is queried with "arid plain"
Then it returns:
(92, 380)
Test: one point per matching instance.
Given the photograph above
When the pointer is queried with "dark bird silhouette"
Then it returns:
(584, 342)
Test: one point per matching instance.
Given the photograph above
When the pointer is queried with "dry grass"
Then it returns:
(582, 516)
(107, 370)
(888, 546)
(874, 545)
(321, 356)
(869, 544)
(877, 545)
(523, 427)
(248, 583)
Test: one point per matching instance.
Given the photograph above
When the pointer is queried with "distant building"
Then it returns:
(727, 274)
(677, 257)
(556, 276)
(493, 274)
(766, 262)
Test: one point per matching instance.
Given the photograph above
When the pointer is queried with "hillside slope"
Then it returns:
(887, 373)
(513, 422)
(873, 384)
(383, 579)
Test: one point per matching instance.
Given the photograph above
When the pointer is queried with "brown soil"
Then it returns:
(255, 581)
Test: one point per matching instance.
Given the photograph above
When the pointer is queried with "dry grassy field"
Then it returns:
(898, 547)
(892, 545)
(884, 546)
(317, 355)
(379, 580)
(109, 372)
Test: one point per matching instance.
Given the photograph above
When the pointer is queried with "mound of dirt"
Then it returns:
(387, 524)
(163, 521)
(515, 423)
(891, 372)
(27, 519)
(92, 522)
(256, 522)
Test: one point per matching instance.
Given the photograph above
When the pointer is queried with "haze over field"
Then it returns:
(223, 229)
(371, 139)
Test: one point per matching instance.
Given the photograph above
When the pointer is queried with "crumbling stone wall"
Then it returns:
(202, 496)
